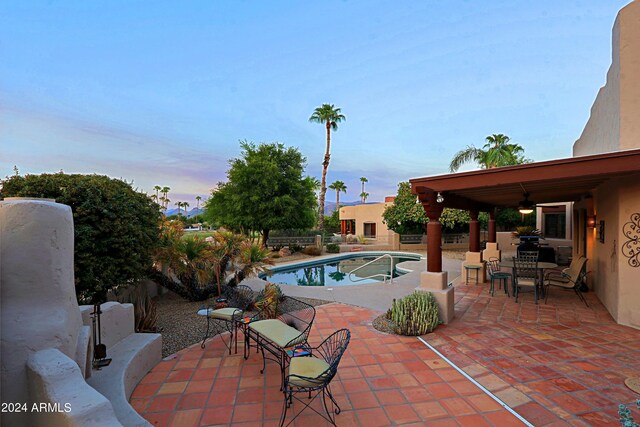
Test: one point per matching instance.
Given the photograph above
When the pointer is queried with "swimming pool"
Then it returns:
(334, 271)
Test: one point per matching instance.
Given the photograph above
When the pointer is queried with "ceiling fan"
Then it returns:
(526, 206)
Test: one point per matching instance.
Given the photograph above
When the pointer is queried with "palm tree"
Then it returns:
(363, 180)
(157, 188)
(363, 196)
(185, 205)
(165, 191)
(496, 152)
(179, 205)
(330, 116)
(338, 186)
(198, 198)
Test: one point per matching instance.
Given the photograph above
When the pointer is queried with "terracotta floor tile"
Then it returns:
(457, 406)
(146, 390)
(160, 419)
(218, 415)
(430, 410)
(172, 388)
(473, 421)
(198, 387)
(193, 401)
(374, 417)
(441, 390)
(390, 397)
(362, 400)
(250, 412)
(401, 414)
(163, 403)
(187, 418)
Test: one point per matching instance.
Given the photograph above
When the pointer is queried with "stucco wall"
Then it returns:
(367, 213)
(613, 124)
(628, 276)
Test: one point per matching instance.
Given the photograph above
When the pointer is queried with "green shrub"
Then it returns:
(294, 247)
(415, 314)
(116, 228)
(312, 250)
(333, 248)
(626, 418)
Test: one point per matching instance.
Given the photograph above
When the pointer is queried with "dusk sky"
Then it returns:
(160, 93)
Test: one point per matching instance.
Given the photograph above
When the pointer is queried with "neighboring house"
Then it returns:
(366, 220)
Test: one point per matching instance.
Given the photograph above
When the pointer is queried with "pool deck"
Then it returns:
(555, 364)
(376, 296)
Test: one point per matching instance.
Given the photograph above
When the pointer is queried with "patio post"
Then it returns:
(474, 231)
(492, 226)
(434, 242)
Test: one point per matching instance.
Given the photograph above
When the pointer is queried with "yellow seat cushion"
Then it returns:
(221, 313)
(277, 332)
(309, 367)
(526, 282)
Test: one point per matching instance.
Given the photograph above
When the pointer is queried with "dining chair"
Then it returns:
(311, 376)
(526, 273)
(493, 266)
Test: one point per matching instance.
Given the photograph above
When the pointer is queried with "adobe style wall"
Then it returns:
(614, 125)
(371, 212)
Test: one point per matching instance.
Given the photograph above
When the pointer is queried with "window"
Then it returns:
(555, 225)
(370, 229)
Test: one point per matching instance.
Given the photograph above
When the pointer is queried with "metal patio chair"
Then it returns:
(570, 278)
(311, 375)
(493, 266)
(239, 299)
(525, 273)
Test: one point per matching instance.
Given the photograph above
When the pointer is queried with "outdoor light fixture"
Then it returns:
(439, 198)
(526, 206)
(591, 221)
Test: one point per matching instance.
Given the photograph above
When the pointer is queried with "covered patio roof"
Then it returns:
(561, 180)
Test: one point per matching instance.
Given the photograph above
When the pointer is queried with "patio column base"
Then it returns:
(437, 284)
(491, 251)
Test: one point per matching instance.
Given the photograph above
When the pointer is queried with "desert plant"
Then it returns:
(526, 230)
(626, 418)
(267, 301)
(333, 248)
(361, 239)
(415, 314)
(294, 247)
(312, 250)
(144, 308)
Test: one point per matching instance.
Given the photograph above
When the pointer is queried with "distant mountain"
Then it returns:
(190, 214)
(329, 207)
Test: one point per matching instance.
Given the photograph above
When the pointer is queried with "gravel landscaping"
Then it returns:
(181, 327)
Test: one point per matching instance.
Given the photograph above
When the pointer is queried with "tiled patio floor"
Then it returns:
(556, 364)
(382, 380)
(553, 364)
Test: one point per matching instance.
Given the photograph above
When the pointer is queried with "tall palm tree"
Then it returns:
(185, 205)
(364, 196)
(338, 186)
(362, 180)
(198, 198)
(157, 188)
(165, 191)
(330, 116)
(179, 205)
(496, 152)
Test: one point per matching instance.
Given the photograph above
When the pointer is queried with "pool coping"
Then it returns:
(347, 255)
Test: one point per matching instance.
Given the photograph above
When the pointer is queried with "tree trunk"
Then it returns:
(265, 237)
(337, 199)
(323, 185)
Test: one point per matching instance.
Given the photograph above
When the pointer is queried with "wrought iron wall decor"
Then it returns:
(601, 232)
(631, 248)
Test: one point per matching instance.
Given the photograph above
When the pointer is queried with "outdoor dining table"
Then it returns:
(508, 263)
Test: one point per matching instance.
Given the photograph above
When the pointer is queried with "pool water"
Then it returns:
(336, 272)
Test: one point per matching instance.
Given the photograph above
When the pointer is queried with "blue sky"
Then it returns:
(160, 93)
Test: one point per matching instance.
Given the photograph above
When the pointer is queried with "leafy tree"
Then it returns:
(338, 186)
(266, 190)
(330, 116)
(332, 222)
(115, 227)
(405, 215)
(496, 152)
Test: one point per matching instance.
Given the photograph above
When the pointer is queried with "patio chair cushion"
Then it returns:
(308, 367)
(278, 332)
(226, 313)
(526, 282)
(221, 313)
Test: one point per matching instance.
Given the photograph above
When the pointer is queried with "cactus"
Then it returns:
(415, 314)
